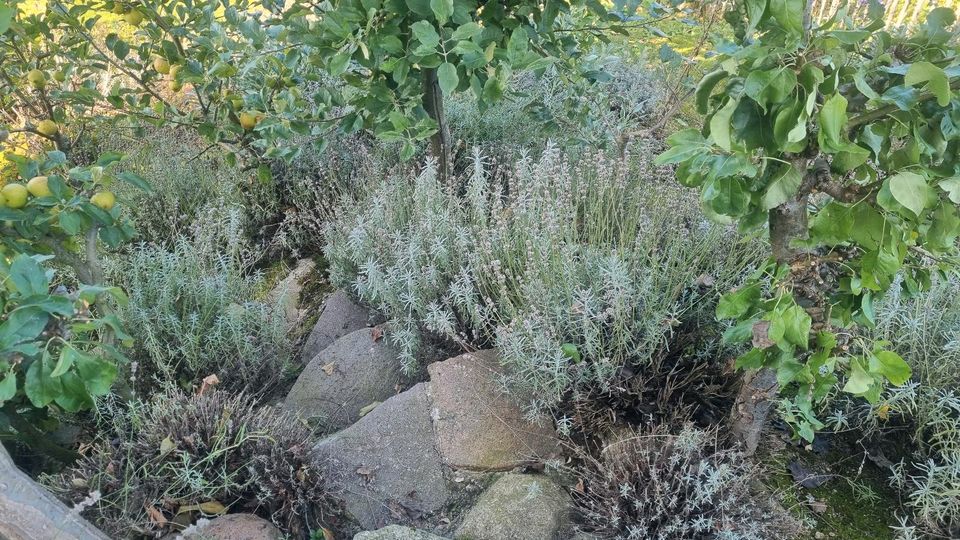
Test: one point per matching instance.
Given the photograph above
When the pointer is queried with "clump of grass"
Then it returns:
(572, 268)
(180, 453)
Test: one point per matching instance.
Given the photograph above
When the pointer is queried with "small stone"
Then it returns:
(236, 527)
(527, 506)
(396, 532)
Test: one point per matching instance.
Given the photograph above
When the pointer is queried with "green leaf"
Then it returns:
(952, 187)
(425, 33)
(467, 31)
(859, 381)
(727, 196)
(789, 13)
(720, 124)
(736, 304)
(39, 385)
(74, 396)
(570, 351)
(753, 359)
(97, 374)
(68, 355)
(27, 276)
(755, 9)
(8, 386)
(935, 77)
(447, 76)
(706, 86)
(135, 180)
(911, 190)
(6, 17)
(782, 187)
(891, 365)
(796, 326)
(833, 116)
(442, 10)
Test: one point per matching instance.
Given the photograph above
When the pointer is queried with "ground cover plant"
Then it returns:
(712, 246)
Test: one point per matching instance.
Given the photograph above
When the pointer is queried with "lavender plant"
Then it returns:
(194, 309)
(657, 485)
(571, 268)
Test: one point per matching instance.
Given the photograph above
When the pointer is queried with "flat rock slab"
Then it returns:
(237, 527)
(478, 426)
(520, 507)
(385, 468)
(358, 370)
(339, 316)
(396, 532)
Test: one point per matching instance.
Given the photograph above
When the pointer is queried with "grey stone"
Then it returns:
(478, 426)
(28, 511)
(339, 316)
(519, 507)
(286, 294)
(236, 527)
(385, 468)
(357, 370)
(396, 532)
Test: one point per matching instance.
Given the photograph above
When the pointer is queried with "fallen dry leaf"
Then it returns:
(366, 410)
(166, 446)
(329, 368)
(761, 335)
(376, 333)
(156, 516)
(209, 508)
(327, 533)
(208, 382)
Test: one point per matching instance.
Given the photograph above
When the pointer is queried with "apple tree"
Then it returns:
(839, 142)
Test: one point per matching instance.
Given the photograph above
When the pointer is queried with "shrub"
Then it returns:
(310, 186)
(185, 181)
(160, 458)
(926, 332)
(194, 311)
(573, 269)
(571, 111)
(655, 485)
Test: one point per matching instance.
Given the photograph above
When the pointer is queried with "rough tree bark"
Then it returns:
(440, 141)
(788, 223)
(758, 388)
(30, 512)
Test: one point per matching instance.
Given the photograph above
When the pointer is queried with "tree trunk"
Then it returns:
(30, 512)
(440, 141)
(787, 222)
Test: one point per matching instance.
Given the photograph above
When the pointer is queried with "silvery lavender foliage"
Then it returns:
(595, 253)
(925, 330)
(653, 485)
(571, 112)
(194, 309)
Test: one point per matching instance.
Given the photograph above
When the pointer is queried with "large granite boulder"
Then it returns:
(478, 426)
(519, 507)
(355, 372)
(396, 532)
(339, 316)
(385, 468)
